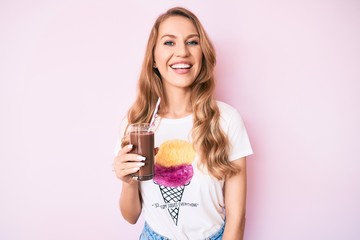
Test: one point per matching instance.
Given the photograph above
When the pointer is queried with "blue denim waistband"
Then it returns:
(149, 234)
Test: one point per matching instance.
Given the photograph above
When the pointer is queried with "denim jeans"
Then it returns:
(149, 234)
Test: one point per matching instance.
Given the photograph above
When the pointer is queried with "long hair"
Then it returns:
(208, 138)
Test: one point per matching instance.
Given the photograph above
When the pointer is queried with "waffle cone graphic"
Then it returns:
(172, 195)
(173, 171)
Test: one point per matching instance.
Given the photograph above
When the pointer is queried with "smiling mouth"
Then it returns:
(181, 66)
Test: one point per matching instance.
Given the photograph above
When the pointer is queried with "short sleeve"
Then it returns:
(239, 140)
(233, 125)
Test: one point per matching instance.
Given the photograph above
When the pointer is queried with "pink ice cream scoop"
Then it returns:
(173, 176)
(173, 163)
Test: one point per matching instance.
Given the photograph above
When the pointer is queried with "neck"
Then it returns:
(178, 105)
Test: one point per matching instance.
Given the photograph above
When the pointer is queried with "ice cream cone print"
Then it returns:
(172, 195)
(173, 171)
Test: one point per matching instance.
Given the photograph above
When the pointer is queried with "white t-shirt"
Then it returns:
(195, 209)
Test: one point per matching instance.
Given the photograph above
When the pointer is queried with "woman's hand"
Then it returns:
(126, 164)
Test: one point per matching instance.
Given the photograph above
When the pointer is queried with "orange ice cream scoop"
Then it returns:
(175, 153)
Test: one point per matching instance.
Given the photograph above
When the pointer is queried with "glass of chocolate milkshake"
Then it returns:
(141, 136)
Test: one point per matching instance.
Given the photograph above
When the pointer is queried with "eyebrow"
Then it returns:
(173, 36)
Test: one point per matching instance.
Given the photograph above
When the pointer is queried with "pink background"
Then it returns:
(68, 72)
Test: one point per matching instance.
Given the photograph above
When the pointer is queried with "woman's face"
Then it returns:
(177, 53)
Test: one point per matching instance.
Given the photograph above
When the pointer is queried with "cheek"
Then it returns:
(156, 57)
(160, 59)
(161, 54)
(199, 58)
(157, 54)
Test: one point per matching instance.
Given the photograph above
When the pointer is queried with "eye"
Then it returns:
(193, 43)
(169, 43)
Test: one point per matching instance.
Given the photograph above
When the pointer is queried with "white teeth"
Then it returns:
(181, 66)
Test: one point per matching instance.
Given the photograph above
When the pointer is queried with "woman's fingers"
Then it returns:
(129, 165)
(126, 149)
(156, 150)
(131, 157)
(125, 156)
(125, 164)
(128, 169)
(124, 171)
(125, 140)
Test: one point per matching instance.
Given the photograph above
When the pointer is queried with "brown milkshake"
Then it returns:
(143, 144)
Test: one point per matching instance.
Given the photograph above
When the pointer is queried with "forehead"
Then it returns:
(177, 25)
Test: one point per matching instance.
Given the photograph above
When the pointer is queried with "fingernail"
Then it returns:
(140, 164)
(136, 168)
(130, 146)
(141, 158)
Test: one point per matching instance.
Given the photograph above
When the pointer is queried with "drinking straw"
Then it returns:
(154, 114)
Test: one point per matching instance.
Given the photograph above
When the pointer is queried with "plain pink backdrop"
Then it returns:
(68, 72)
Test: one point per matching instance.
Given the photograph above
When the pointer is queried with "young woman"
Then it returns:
(199, 187)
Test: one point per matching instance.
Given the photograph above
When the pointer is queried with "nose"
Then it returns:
(181, 50)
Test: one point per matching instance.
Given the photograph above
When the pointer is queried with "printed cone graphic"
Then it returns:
(172, 195)
(173, 171)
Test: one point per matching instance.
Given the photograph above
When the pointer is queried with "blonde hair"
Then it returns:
(208, 137)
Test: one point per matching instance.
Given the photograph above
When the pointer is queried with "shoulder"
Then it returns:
(226, 110)
(229, 116)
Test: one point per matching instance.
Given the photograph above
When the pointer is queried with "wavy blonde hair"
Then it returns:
(208, 137)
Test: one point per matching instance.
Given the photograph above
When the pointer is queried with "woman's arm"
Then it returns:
(130, 202)
(125, 164)
(235, 203)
